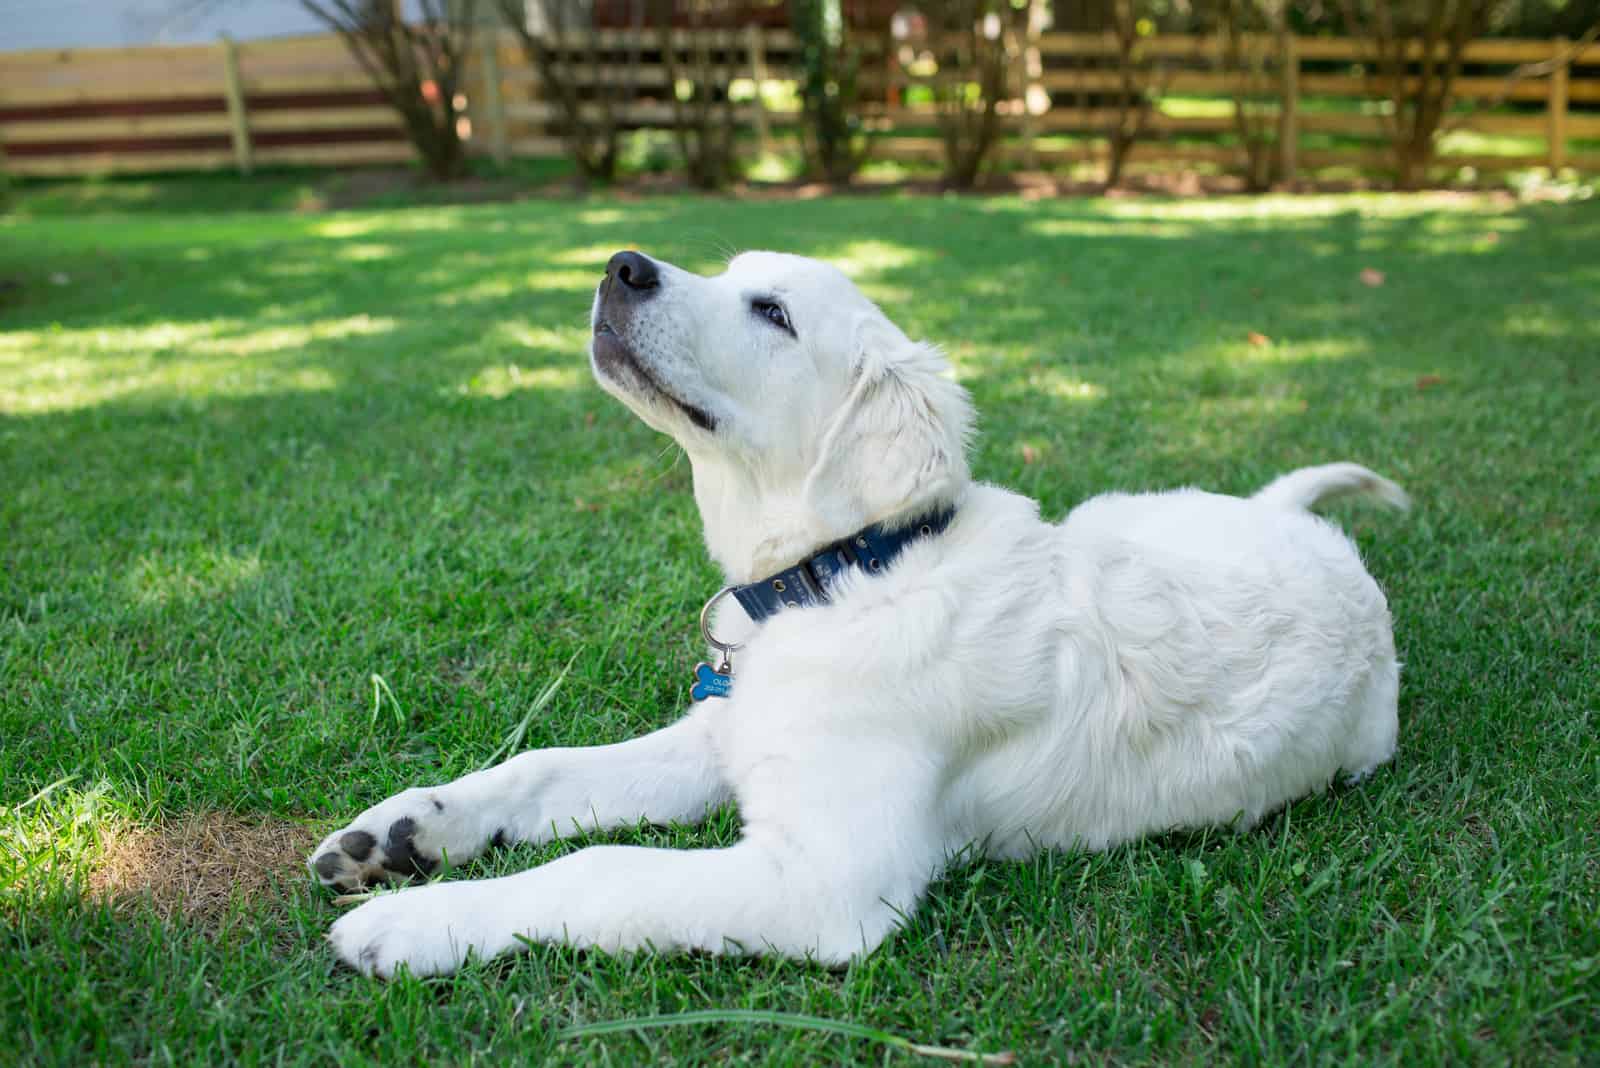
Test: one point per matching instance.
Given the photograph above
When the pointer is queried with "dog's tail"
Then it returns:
(1310, 486)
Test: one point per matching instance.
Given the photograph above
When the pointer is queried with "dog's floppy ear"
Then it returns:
(898, 444)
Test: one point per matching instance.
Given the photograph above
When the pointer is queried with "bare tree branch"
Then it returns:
(574, 75)
(404, 61)
(969, 40)
(1419, 102)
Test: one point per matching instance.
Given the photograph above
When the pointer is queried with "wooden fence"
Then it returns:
(1347, 127)
(306, 100)
(290, 100)
(508, 117)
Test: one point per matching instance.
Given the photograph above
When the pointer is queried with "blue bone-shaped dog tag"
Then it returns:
(709, 682)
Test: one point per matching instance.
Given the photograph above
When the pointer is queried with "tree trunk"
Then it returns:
(1412, 160)
(1117, 149)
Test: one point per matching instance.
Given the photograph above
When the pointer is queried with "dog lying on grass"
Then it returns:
(908, 662)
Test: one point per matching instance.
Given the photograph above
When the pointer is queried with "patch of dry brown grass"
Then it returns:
(196, 867)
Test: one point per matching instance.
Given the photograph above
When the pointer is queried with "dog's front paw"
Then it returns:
(409, 835)
(429, 929)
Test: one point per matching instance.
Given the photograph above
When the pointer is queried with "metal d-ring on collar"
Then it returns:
(727, 649)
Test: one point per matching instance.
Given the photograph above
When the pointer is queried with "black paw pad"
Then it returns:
(357, 845)
(401, 856)
(328, 865)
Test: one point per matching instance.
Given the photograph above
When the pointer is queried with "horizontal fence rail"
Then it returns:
(306, 100)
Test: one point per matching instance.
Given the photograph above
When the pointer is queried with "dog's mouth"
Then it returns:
(618, 362)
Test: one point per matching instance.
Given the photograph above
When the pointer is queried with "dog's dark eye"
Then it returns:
(773, 313)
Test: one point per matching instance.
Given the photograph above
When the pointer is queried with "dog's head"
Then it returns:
(802, 408)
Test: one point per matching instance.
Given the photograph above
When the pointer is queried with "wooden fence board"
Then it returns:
(1312, 48)
(1096, 81)
(1064, 119)
(120, 127)
(1376, 125)
(1361, 159)
(330, 82)
(204, 70)
(1584, 126)
(1463, 88)
(39, 95)
(642, 113)
(1483, 51)
(1090, 118)
(376, 152)
(35, 57)
(324, 119)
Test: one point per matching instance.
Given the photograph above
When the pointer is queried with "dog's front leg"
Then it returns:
(825, 873)
(664, 777)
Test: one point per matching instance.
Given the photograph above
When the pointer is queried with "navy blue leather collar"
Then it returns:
(871, 549)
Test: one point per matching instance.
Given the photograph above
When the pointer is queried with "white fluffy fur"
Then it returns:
(1154, 661)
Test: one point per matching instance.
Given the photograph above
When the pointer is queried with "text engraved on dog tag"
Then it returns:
(709, 682)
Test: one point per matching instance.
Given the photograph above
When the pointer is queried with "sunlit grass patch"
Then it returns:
(56, 368)
(51, 839)
(866, 258)
(1279, 207)
(502, 381)
(201, 572)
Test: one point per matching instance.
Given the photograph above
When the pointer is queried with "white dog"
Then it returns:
(933, 667)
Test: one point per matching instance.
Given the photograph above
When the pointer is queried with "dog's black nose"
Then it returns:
(633, 271)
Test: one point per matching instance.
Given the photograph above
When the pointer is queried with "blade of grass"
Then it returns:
(46, 791)
(380, 690)
(514, 739)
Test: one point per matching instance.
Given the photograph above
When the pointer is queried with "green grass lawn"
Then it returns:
(251, 460)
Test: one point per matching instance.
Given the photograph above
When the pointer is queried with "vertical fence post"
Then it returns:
(1557, 106)
(1032, 67)
(494, 103)
(1289, 109)
(758, 70)
(238, 118)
